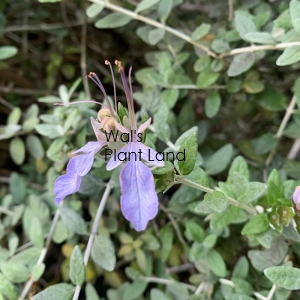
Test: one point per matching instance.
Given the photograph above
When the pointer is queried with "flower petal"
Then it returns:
(67, 184)
(84, 163)
(91, 147)
(139, 202)
(151, 156)
(144, 126)
(121, 128)
(97, 126)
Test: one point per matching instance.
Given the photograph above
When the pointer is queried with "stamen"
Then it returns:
(113, 79)
(119, 64)
(128, 93)
(96, 79)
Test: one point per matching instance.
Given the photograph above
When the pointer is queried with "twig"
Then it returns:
(175, 225)
(254, 48)
(7, 104)
(179, 269)
(43, 253)
(24, 34)
(3, 210)
(271, 293)
(294, 150)
(167, 282)
(30, 92)
(40, 27)
(230, 10)
(94, 232)
(31, 48)
(156, 24)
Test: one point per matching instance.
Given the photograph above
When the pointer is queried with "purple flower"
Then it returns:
(296, 197)
(139, 201)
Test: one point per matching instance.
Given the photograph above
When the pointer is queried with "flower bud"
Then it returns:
(103, 114)
(296, 197)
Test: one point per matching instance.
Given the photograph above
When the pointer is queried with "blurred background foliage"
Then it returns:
(225, 70)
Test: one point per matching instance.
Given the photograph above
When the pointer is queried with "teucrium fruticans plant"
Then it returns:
(218, 82)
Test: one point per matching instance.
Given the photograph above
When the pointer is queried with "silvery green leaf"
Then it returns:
(216, 201)
(14, 116)
(90, 292)
(243, 23)
(285, 277)
(155, 35)
(166, 234)
(241, 268)
(212, 104)
(164, 9)
(219, 160)
(60, 291)
(113, 20)
(15, 271)
(50, 130)
(63, 93)
(156, 294)
(216, 263)
(145, 4)
(36, 232)
(295, 14)
(103, 253)
(134, 290)
(60, 233)
(289, 56)
(37, 271)
(200, 31)
(77, 267)
(72, 220)
(17, 150)
(240, 64)
(34, 146)
(94, 9)
(260, 37)
(257, 224)
(7, 52)
(7, 288)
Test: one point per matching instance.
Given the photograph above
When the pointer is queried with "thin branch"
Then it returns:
(271, 293)
(254, 48)
(42, 255)
(285, 120)
(7, 104)
(94, 232)
(5, 211)
(230, 10)
(294, 150)
(167, 282)
(175, 225)
(179, 269)
(156, 24)
(40, 27)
